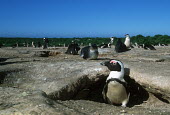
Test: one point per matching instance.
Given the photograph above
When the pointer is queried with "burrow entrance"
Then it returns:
(12, 78)
(7, 79)
(86, 89)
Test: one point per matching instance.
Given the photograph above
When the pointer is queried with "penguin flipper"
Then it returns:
(104, 93)
(81, 54)
(105, 98)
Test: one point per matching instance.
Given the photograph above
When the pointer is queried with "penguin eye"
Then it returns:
(114, 63)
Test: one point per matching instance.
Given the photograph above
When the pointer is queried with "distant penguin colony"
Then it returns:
(147, 46)
(115, 90)
(89, 52)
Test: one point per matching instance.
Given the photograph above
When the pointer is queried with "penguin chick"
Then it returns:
(115, 90)
(89, 52)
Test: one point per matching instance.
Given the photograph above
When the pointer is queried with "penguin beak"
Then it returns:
(104, 63)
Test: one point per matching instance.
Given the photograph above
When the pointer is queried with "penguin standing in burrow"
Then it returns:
(90, 52)
(115, 90)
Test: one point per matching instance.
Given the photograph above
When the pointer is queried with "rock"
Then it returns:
(154, 76)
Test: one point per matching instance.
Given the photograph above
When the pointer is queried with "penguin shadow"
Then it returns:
(92, 92)
(6, 63)
(98, 59)
(3, 59)
(103, 58)
(137, 93)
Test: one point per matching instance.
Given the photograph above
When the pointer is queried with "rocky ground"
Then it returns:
(36, 81)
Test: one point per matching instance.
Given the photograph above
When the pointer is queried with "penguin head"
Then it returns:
(127, 35)
(113, 65)
(112, 38)
(72, 42)
(94, 46)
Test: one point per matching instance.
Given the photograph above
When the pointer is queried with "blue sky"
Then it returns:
(83, 18)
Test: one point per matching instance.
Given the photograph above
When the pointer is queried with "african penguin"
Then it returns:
(115, 90)
(120, 47)
(89, 52)
(127, 41)
(46, 42)
(73, 48)
(105, 45)
(149, 46)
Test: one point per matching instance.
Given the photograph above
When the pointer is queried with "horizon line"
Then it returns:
(84, 37)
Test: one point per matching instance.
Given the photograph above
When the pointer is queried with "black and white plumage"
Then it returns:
(115, 90)
(120, 47)
(46, 42)
(107, 45)
(149, 46)
(104, 45)
(90, 52)
(73, 48)
(127, 41)
(146, 46)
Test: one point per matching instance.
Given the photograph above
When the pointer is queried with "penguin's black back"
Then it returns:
(85, 52)
(149, 46)
(120, 47)
(73, 49)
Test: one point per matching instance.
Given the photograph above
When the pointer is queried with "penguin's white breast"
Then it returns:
(116, 92)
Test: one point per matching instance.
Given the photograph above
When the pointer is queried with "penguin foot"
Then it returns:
(123, 105)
